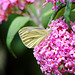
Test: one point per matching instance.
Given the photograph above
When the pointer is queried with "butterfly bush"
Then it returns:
(54, 2)
(56, 54)
(6, 7)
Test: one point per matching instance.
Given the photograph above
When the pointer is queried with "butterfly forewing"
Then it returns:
(24, 29)
(32, 36)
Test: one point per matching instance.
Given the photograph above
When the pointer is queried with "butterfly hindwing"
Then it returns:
(32, 36)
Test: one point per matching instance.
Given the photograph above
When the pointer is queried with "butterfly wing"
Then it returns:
(32, 36)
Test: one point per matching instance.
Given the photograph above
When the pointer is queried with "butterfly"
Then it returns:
(33, 36)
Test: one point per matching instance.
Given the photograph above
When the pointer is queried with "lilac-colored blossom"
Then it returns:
(7, 5)
(56, 53)
(54, 2)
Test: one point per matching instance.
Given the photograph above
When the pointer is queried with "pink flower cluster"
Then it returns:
(54, 2)
(56, 53)
(7, 5)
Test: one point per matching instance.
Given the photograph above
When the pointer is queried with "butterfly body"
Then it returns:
(32, 36)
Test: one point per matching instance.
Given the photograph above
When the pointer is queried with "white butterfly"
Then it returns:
(33, 36)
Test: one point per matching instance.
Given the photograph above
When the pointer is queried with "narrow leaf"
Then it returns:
(16, 24)
(55, 12)
(67, 13)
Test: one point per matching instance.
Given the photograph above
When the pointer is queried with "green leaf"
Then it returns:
(32, 8)
(73, 15)
(46, 14)
(55, 12)
(17, 46)
(47, 9)
(45, 18)
(67, 13)
(16, 24)
(5, 25)
(60, 13)
(73, 5)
